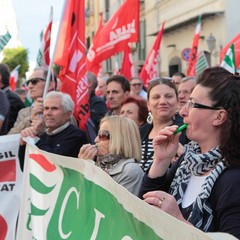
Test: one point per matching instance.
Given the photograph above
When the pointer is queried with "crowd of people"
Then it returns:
(193, 175)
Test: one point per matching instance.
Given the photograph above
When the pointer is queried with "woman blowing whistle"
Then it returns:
(203, 187)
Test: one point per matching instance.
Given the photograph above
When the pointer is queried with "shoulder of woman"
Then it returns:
(227, 185)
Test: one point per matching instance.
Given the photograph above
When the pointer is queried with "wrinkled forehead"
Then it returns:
(39, 73)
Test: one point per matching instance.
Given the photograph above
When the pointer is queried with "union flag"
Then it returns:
(70, 55)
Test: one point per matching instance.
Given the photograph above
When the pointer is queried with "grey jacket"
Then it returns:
(129, 174)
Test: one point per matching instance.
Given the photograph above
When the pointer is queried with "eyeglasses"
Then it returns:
(34, 81)
(136, 84)
(190, 104)
(103, 135)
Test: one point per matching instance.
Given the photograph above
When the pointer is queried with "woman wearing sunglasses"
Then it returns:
(118, 149)
(203, 187)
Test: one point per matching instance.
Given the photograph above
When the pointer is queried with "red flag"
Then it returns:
(43, 57)
(193, 53)
(149, 69)
(70, 54)
(236, 42)
(14, 78)
(123, 27)
(127, 65)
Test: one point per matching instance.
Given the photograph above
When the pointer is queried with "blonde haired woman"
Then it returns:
(118, 149)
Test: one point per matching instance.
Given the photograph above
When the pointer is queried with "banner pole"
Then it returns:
(54, 52)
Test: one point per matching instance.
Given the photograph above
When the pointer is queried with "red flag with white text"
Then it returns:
(191, 71)
(150, 67)
(43, 57)
(236, 42)
(122, 27)
(70, 55)
(127, 64)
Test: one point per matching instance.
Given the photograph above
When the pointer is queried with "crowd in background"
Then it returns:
(193, 175)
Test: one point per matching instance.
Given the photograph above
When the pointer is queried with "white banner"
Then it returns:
(70, 198)
(10, 185)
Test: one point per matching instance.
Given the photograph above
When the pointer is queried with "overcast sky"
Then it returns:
(32, 17)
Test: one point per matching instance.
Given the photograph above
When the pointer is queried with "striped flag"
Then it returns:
(14, 75)
(43, 57)
(194, 49)
(202, 63)
(150, 67)
(236, 42)
(4, 39)
(229, 60)
(128, 70)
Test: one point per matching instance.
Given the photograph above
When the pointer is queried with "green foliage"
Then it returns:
(14, 57)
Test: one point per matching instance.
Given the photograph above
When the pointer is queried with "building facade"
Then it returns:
(220, 23)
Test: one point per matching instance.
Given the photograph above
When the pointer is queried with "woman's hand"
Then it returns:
(165, 202)
(88, 152)
(165, 146)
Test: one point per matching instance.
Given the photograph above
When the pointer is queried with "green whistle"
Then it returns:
(180, 128)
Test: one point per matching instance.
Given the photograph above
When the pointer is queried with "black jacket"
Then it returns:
(16, 105)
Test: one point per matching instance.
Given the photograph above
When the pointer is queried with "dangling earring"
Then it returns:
(150, 118)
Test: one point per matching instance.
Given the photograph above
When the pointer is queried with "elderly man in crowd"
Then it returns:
(137, 88)
(185, 89)
(55, 132)
(36, 85)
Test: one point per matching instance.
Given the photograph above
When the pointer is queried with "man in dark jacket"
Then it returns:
(55, 132)
(4, 113)
(98, 107)
(16, 103)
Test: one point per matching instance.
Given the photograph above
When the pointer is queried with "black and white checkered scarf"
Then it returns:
(198, 164)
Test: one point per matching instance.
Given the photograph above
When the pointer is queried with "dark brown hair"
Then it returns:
(225, 93)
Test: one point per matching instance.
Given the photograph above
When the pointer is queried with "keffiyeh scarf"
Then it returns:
(198, 164)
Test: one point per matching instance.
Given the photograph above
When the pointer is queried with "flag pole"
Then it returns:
(54, 52)
(17, 67)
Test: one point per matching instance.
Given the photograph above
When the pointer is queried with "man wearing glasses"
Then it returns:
(36, 85)
(137, 87)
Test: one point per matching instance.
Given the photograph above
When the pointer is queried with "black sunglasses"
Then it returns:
(34, 81)
(103, 135)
